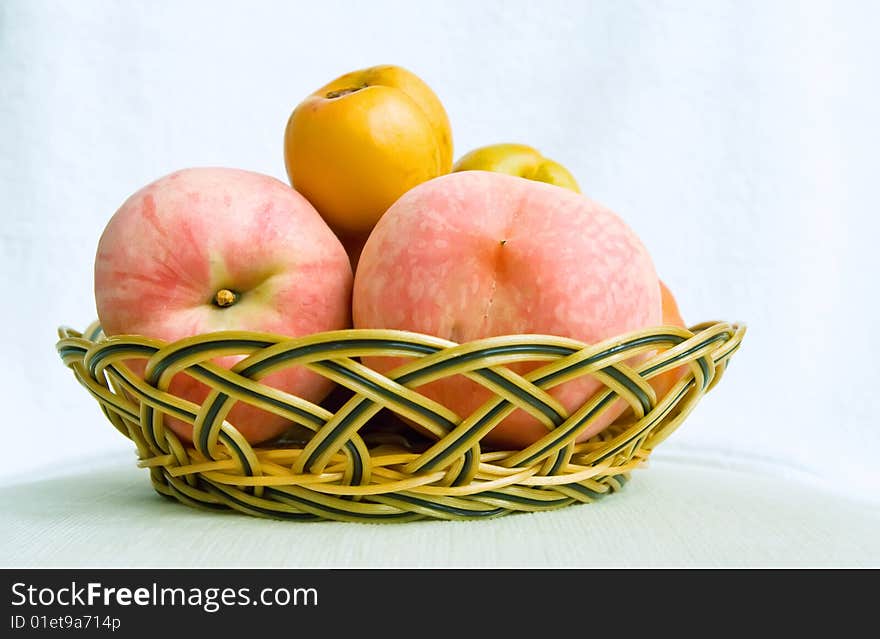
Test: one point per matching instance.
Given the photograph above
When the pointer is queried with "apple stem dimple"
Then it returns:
(338, 93)
(224, 297)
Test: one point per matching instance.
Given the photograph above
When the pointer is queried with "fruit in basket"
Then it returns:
(211, 249)
(671, 316)
(478, 254)
(520, 160)
(360, 142)
(662, 383)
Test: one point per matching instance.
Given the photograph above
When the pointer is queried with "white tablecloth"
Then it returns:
(676, 512)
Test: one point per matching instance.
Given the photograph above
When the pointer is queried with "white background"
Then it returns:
(739, 139)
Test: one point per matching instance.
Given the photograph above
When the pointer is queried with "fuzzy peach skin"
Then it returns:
(175, 243)
(478, 254)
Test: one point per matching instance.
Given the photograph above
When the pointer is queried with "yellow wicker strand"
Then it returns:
(494, 363)
(463, 437)
(567, 432)
(285, 479)
(585, 353)
(331, 430)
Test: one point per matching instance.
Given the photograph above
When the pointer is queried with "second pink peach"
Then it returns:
(478, 254)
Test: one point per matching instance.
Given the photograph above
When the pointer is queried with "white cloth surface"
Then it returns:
(676, 512)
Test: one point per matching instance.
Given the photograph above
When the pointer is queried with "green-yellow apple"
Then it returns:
(519, 160)
(210, 249)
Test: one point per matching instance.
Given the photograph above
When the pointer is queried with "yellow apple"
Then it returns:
(360, 142)
(519, 160)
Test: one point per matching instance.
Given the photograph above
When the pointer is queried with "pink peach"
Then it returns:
(210, 249)
(478, 254)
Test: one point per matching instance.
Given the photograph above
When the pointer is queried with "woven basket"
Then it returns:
(355, 461)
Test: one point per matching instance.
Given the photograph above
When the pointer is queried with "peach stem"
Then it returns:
(225, 297)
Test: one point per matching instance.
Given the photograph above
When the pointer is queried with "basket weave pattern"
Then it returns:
(342, 470)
